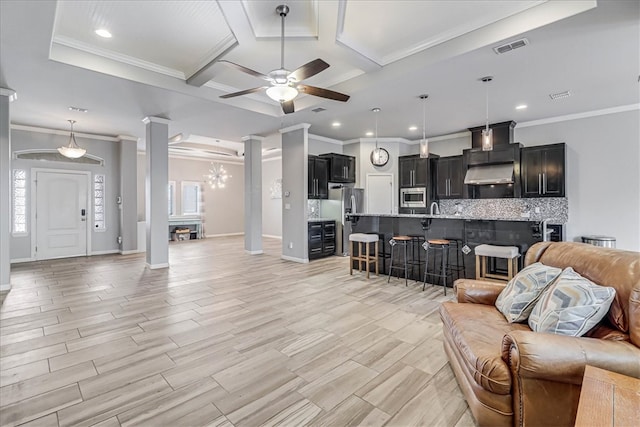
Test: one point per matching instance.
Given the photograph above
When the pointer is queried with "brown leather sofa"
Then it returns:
(511, 375)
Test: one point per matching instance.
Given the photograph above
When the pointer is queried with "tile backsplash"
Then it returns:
(313, 209)
(553, 209)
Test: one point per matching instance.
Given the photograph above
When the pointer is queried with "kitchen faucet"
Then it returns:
(435, 204)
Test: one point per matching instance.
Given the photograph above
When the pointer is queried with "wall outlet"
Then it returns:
(536, 209)
(290, 245)
(287, 206)
(525, 215)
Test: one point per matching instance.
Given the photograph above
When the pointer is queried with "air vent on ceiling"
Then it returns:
(508, 47)
(560, 95)
(318, 110)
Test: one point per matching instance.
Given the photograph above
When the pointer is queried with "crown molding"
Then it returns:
(577, 116)
(153, 119)
(254, 137)
(63, 132)
(325, 139)
(10, 93)
(127, 138)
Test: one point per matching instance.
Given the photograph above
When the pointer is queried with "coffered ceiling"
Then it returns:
(162, 59)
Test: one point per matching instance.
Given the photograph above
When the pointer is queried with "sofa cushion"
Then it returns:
(572, 305)
(520, 295)
(476, 331)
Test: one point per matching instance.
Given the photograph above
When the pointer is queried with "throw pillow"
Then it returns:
(520, 295)
(572, 305)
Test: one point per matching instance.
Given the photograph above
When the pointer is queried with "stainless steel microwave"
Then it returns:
(415, 197)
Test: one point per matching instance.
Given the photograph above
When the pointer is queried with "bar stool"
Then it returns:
(415, 250)
(402, 241)
(510, 253)
(364, 241)
(443, 246)
(456, 245)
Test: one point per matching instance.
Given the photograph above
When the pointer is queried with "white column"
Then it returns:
(128, 194)
(156, 201)
(6, 96)
(295, 149)
(253, 194)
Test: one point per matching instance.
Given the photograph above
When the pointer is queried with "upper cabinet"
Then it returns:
(342, 168)
(449, 178)
(318, 185)
(413, 171)
(543, 170)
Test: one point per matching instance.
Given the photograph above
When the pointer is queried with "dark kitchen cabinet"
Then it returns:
(318, 184)
(414, 171)
(449, 178)
(342, 168)
(322, 238)
(543, 171)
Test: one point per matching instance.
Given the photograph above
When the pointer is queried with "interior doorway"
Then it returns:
(380, 193)
(60, 214)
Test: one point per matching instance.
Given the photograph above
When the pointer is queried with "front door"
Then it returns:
(61, 214)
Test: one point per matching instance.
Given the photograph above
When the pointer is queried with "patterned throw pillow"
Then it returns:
(571, 306)
(523, 291)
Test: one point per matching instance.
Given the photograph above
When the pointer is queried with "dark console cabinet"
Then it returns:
(342, 168)
(322, 239)
(449, 178)
(543, 171)
(318, 184)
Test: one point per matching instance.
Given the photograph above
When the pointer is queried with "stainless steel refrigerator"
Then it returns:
(342, 201)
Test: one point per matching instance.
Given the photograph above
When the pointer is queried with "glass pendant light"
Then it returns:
(424, 142)
(217, 177)
(376, 151)
(72, 150)
(487, 134)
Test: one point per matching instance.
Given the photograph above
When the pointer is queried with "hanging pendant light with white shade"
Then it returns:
(487, 134)
(72, 150)
(424, 142)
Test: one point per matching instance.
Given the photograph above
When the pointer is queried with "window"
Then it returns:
(19, 201)
(190, 198)
(98, 203)
(172, 198)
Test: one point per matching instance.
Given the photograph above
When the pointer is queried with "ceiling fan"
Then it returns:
(285, 85)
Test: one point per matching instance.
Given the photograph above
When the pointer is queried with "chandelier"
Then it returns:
(72, 150)
(217, 177)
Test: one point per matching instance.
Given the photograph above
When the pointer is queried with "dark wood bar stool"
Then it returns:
(402, 241)
(456, 245)
(432, 247)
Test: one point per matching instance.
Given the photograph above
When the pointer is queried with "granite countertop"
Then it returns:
(444, 216)
(319, 219)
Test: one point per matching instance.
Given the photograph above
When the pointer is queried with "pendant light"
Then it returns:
(424, 142)
(72, 150)
(487, 134)
(217, 177)
(376, 151)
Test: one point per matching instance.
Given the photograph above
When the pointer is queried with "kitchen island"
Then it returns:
(468, 231)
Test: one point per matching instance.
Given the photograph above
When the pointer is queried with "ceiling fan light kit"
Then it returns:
(72, 150)
(284, 85)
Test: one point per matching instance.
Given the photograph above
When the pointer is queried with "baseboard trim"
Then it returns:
(294, 259)
(157, 266)
(107, 252)
(270, 236)
(224, 235)
(254, 252)
(5, 287)
(134, 251)
(19, 260)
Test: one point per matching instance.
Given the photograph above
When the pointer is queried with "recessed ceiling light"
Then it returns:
(336, 124)
(103, 33)
(369, 133)
(413, 127)
(521, 107)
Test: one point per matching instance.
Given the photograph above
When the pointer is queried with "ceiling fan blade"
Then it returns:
(309, 69)
(323, 93)
(243, 92)
(288, 107)
(246, 70)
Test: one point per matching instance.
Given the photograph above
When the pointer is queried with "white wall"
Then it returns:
(603, 173)
(271, 208)
(223, 208)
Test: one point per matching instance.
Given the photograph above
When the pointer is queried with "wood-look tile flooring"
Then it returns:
(221, 339)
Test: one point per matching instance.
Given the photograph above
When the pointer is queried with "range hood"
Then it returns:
(489, 174)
